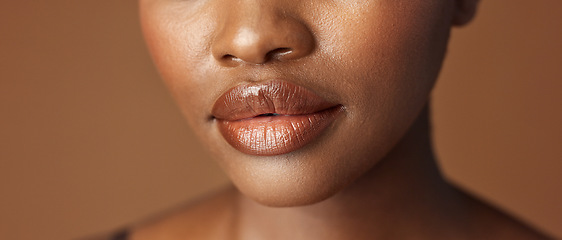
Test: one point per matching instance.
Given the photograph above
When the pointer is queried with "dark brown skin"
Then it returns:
(371, 174)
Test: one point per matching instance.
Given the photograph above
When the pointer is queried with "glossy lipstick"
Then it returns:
(272, 118)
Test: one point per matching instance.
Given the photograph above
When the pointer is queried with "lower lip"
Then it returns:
(276, 135)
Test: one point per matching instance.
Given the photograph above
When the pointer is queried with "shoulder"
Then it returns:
(208, 218)
(492, 223)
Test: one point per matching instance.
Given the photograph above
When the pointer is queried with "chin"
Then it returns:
(303, 178)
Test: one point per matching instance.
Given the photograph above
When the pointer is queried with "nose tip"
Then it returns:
(259, 40)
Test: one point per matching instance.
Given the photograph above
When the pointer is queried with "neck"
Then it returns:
(403, 191)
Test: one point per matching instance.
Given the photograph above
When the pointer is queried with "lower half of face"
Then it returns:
(375, 59)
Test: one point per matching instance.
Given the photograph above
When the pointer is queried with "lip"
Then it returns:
(272, 118)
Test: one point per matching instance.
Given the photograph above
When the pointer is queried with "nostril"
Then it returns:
(278, 53)
(229, 57)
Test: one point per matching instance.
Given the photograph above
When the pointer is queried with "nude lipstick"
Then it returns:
(272, 118)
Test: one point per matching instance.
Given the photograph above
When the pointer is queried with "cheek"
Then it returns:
(178, 40)
(387, 58)
(392, 52)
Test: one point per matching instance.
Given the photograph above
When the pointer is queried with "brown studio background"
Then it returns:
(90, 139)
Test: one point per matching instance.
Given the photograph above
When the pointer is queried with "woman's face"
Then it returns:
(296, 99)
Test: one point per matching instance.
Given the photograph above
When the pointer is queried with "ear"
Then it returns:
(464, 11)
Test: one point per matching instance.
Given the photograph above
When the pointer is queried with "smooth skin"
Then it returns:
(372, 173)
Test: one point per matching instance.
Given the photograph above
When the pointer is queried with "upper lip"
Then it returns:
(272, 97)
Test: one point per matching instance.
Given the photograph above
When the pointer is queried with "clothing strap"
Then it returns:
(122, 235)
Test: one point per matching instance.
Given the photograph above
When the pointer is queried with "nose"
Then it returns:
(258, 33)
